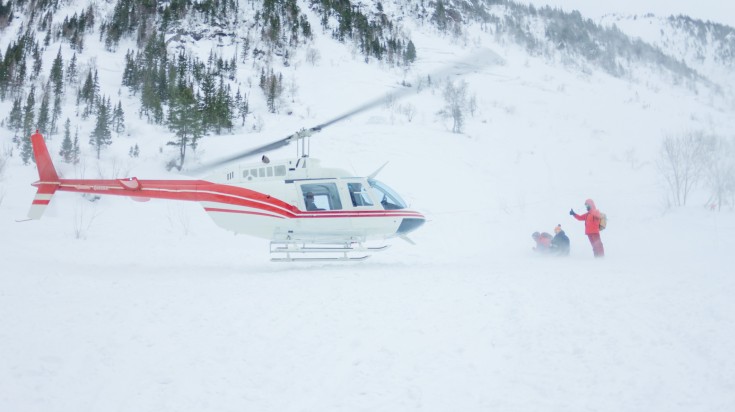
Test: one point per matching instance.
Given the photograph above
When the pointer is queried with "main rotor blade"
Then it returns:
(477, 60)
(252, 152)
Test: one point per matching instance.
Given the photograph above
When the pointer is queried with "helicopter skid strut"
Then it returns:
(322, 252)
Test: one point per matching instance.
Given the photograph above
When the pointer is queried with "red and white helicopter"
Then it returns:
(304, 209)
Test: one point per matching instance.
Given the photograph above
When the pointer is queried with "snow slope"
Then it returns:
(706, 10)
(117, 305)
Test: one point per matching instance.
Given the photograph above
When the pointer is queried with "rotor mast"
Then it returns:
(303, 145)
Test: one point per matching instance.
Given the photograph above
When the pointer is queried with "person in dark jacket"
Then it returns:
(560, 242)
(309, 202)
(591, 227)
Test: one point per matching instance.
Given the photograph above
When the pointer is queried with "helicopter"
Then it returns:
(303, 208)
(307, 211)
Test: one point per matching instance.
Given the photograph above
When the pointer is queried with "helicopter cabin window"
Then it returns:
(321, 196)
(359, 195)
(280, 170)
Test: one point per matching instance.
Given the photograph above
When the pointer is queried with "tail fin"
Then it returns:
(48, 178)
(46, 170)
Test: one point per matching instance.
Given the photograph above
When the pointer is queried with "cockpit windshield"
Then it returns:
(388, 198)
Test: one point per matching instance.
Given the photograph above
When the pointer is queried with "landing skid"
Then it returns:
(349, 252)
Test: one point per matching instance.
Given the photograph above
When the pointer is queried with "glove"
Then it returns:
(571, 212)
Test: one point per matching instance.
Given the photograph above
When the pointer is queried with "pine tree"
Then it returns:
(223, 108)
(86, 95)
(410, 55)
(243, 107)
(67, 147)
(43, 114)
(71, 70)
(56, 114)
(28, 119)
(118, 119)
(440, 16)
(185, 120)
(3, 76)
(15, 118)
(150, 103)
(131, 73)
(37, 62)
(75, 151)
(19, 78)
(57, 74)
(208, 90)
(95, 87)
(47, 38)
(101, 136)
(272, 86)
(233, 67)
(134, 151)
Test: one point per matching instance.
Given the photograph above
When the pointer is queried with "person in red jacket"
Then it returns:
(543, 242)
(591, 226)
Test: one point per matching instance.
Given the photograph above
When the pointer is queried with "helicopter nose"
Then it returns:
(409, 224)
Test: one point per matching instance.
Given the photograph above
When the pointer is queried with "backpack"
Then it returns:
(603, 221)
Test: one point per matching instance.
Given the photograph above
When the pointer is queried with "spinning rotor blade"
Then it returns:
(477, 60)
(252, 152)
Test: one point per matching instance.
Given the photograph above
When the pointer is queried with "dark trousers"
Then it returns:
(596, 243)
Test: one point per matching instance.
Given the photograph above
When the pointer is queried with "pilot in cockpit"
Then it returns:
(309, 201)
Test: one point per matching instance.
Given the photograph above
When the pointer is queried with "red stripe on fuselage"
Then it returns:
(204, 191)
(326, 215)
(188, 190)
(246, 212)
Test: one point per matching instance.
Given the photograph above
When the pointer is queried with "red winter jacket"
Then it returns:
(591, 218)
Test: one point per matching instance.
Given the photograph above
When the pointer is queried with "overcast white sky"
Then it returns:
(720, 11)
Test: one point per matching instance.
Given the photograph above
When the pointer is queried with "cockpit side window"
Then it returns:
(359, 195)
(321, 196)
(389, 199)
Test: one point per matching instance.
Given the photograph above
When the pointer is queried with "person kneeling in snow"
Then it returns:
(543, 242)
(560, 242)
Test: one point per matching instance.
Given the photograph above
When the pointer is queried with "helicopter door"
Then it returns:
(320, 196)
(359, 195)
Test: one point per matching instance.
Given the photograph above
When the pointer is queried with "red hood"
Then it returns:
(593, 209)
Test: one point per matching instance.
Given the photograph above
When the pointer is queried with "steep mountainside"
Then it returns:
(707, 47)
(192, 65)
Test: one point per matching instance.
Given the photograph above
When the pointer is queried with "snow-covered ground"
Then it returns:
(118, 305)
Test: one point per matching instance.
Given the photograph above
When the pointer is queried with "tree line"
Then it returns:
(193, 97)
